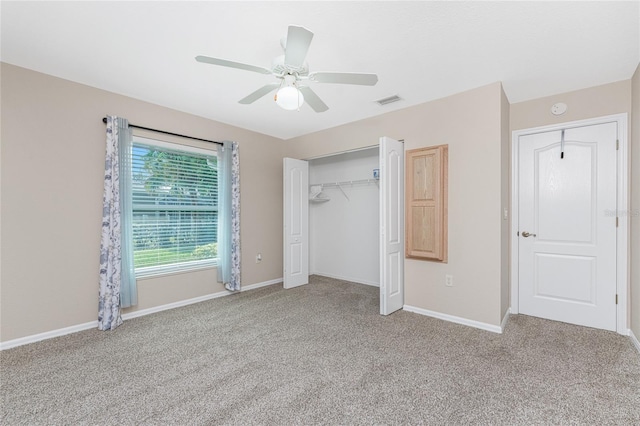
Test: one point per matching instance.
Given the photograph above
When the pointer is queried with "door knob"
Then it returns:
(526, 234)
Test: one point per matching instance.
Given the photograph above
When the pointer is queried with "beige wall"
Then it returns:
(51, 187)
(0, 205)
(470, 123)
(592, 102)
(608, 99)
(505, 195)
(635, 205)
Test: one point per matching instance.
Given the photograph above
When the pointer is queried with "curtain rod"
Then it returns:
(104, 120)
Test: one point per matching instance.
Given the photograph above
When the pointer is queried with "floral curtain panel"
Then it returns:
(117, 278)
(229, 216)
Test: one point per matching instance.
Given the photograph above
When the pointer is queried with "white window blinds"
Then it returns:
(175, 207)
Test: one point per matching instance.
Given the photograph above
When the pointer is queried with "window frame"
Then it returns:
(178, 267)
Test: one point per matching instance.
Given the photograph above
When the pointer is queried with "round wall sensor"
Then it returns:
(559, 108)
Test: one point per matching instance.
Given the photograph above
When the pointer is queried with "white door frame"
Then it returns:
(622, 232)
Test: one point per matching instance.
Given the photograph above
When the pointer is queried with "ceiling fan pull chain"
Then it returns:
(275, 97)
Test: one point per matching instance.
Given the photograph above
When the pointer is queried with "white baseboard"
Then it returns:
(94, 324)
(262, 284)
(47, 335)
(153, 310)
(457, 320)
(350, 279)
(634, 340)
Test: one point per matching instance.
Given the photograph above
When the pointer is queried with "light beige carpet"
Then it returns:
(321, 354)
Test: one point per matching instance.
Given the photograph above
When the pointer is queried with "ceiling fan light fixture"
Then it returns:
(289, 98)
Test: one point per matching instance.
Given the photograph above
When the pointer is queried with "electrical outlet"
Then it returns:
(258, 257)
(448, 280)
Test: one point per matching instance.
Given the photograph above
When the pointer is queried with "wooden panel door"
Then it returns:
(426, 198)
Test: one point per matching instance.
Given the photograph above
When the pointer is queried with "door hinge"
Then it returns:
(616, 221)
(616, 299)
(617, 144)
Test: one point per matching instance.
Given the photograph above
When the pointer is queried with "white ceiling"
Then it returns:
(420, 50)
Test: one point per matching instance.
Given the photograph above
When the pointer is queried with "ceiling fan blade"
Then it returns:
(298, 41)
(313, 100)
(259, 93)
(231, 64)
(344, 78)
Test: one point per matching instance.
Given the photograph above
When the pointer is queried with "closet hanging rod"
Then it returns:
(346, 182)
(104, 120)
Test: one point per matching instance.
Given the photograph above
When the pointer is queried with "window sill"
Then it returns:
(159, 271)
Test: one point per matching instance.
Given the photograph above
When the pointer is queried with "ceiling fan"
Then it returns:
(291, 70)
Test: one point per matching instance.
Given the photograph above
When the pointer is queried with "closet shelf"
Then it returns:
(318, 200)
(339, 185)
(346, 182)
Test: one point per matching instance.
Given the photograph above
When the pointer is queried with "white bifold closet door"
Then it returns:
(296, 223)
(391, 225)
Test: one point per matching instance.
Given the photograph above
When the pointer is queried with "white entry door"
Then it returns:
(391, 225)
(296, 223)
(567, 225)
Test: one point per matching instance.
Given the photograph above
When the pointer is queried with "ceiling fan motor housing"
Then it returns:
(279, 68)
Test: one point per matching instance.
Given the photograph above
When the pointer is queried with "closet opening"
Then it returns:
(344, 219)
(344, 216)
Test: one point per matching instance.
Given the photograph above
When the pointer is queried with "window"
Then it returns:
(175, 207)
